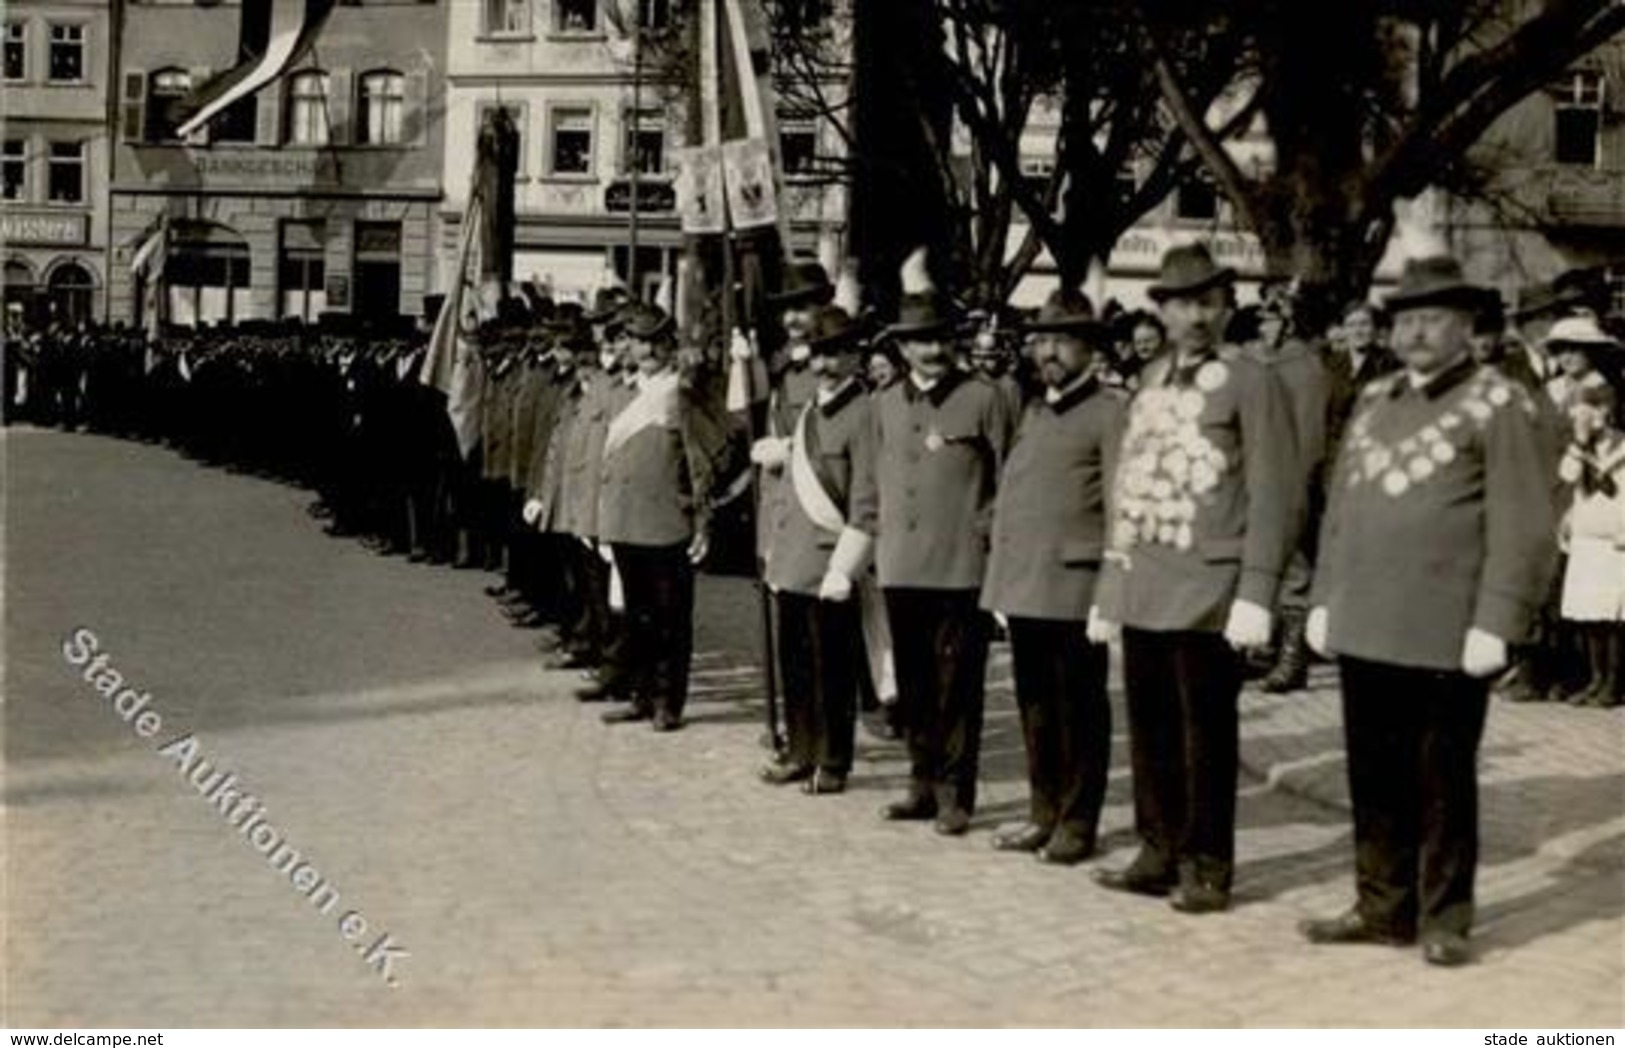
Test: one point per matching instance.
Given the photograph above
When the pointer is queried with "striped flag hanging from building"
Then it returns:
(287, 29)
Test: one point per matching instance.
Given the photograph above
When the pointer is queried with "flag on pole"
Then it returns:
(293, 28)
(452, 364)
(148, 263)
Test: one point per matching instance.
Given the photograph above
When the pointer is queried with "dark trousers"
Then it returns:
(658, 584)
(939, 644)
(1413, 740)
(820, 656)
(1066, 722)
(1182, 689)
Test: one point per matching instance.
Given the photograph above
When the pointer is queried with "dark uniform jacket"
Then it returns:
(793, 387)
(655, 489)
(602, 399)
(1208, 498)
(1049, 520)
(1443, 517)
(496, 420)
(545, 482)
(940, 454)
(841, 450)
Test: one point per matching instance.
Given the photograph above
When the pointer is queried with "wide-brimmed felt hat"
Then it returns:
(923, 315)
(804, 284)
(1067, 311)
(1435, 281)
(605, 303)
(1189, 270)
(835, 332)
(1581, 332)
(647, 322)
(1543, 299)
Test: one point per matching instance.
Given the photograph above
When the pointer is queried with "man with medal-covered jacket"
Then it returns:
(1207, 508)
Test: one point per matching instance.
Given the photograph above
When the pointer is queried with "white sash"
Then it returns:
(815, 501)
(655, 405)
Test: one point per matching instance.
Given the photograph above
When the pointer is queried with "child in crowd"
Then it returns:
(1594, 531)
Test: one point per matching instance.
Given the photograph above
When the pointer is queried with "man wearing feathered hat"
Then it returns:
(1206, 511)
(1049, 529)
(1436, 552)
(820, 529)
(943, 437)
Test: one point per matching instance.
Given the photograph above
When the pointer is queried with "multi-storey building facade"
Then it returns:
(319, 194)
(53, 168)
(594, 117)
(1556, 202)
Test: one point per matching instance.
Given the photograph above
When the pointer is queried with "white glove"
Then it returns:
(532, 511)
(1002, 619)
(1249, 625)
(1484, 654)
(741, 347)
(699, 547)
(1102, 630)
(1316, 631)
(836, 587)
(770, 452)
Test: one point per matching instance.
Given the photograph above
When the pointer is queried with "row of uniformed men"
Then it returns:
(1164, 522)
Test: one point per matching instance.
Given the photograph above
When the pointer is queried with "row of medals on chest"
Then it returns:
(1415, 459)
(1169, 466)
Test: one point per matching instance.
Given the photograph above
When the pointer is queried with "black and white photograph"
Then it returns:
(812, 514)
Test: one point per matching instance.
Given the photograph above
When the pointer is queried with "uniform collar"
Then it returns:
(1182, 367)
(1072, 394)
(1440, 383)
(838, 399)
(938, 392)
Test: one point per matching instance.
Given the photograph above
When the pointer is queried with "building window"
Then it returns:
(576, 16)
(238, 122)
(16, 51)
(67, 53)
(67, 181)
(798, 147)
(72, 293)
(302, 270)
(1196, 200)
(654, 14)
(307, 109)
(167, 89)
(506, 18)
(644, 150)
(14, 169)
(572, 141)
(800, 15)
(382, 108)
(1578, 132)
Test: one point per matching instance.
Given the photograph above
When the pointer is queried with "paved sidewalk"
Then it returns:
(543, 869)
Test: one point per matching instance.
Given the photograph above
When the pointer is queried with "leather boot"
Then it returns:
(1291, 672)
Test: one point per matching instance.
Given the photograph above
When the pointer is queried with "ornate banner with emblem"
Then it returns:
(700, 197)
(748, 166)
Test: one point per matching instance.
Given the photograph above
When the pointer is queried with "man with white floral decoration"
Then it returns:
(1208, 502)
(1436, 553)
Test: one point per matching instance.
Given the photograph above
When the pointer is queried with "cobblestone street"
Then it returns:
(543, 869)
